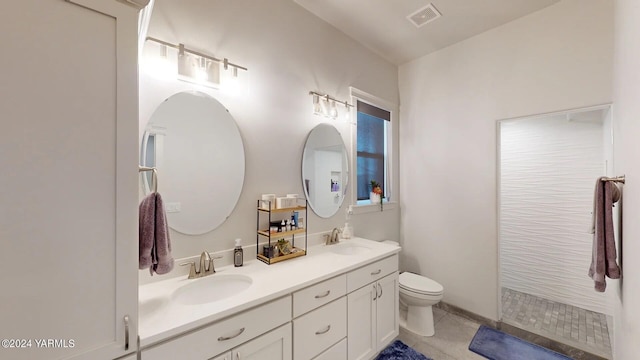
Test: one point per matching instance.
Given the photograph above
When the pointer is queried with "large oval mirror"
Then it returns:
(197, 149)
(324, 170)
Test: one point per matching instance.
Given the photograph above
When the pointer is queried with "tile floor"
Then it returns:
(580, 328)
(451, 341)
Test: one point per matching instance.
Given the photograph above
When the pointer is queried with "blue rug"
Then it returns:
(496, 345)
(400, 351)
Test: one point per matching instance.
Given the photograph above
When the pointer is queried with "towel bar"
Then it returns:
(619, 179)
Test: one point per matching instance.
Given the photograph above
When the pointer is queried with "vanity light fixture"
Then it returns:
(329, 109)
(195, 66)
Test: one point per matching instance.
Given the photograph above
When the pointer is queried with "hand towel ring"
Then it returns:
(154, 175)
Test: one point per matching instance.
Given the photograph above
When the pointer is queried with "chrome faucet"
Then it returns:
(333, 238)
(206, 266)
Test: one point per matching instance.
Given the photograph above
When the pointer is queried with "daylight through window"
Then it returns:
(371, 147)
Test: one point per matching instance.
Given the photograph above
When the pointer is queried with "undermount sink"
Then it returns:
(349, 249)
(211, 288)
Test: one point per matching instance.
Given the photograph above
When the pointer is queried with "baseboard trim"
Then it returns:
(467, 314)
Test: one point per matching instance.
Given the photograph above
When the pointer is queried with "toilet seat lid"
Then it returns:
(418, 283)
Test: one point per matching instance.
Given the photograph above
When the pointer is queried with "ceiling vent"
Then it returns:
(425, 15)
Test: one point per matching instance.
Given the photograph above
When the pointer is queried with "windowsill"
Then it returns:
(365, 206)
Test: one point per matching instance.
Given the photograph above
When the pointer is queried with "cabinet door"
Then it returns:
(336, 352)
(68, 218)
(274, 345)
(225, 356)
(387, 310)
(133, 356)
(361, 323)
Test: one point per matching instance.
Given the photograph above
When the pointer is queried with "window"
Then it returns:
(371, 148)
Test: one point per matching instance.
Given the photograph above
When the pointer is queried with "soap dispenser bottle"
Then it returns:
(237, 254)
(347, 231)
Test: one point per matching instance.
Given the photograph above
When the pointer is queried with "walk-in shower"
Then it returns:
(548, 166)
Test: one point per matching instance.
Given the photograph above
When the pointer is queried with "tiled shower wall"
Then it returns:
(548, 171)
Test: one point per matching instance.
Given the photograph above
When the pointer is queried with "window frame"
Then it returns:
(389, 202)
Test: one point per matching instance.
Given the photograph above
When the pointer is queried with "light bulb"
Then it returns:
(333, 111)
(317, 109)
(325, 106)
(201, 70)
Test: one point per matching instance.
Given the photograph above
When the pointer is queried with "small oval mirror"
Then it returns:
(196, 146)
(325, 170)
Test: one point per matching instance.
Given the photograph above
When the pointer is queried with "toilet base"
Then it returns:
(419, 320)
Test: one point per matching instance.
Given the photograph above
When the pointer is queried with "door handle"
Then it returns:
(380, 287)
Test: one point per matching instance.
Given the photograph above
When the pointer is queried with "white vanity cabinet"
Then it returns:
(373, 310)
(69, 149)
(347, 312)
(274, 345)
(225, 334)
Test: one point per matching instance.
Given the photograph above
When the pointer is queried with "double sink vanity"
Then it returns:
(338, 302)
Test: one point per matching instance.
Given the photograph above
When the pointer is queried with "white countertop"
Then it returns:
(160, 318)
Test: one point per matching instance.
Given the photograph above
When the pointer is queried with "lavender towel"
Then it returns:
(146, 230)
(603, 260)
(153, 236)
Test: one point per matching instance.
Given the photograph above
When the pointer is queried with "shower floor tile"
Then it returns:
(580, 328)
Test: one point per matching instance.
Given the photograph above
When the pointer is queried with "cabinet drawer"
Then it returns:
(224, 334)
(336, 352)
(317, 295)
(372, 272)
(319, 329)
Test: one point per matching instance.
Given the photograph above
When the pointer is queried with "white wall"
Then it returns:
(548, 167)
(554, 59)
(627, 153)
(288, 52)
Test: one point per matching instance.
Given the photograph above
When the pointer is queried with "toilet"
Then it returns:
(417, 294)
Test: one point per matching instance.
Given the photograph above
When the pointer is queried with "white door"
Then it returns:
(361, 323)
(68, 160)
(387, 310)
(274, 345)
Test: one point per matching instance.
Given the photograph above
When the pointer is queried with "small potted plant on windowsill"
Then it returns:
(375, 196)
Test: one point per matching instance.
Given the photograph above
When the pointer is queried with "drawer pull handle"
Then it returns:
(323, 295)
(224, 338)
(324, 331)
(376, 272)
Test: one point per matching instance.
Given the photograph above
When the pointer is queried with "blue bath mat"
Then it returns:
(496, 345)
(399, 351)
